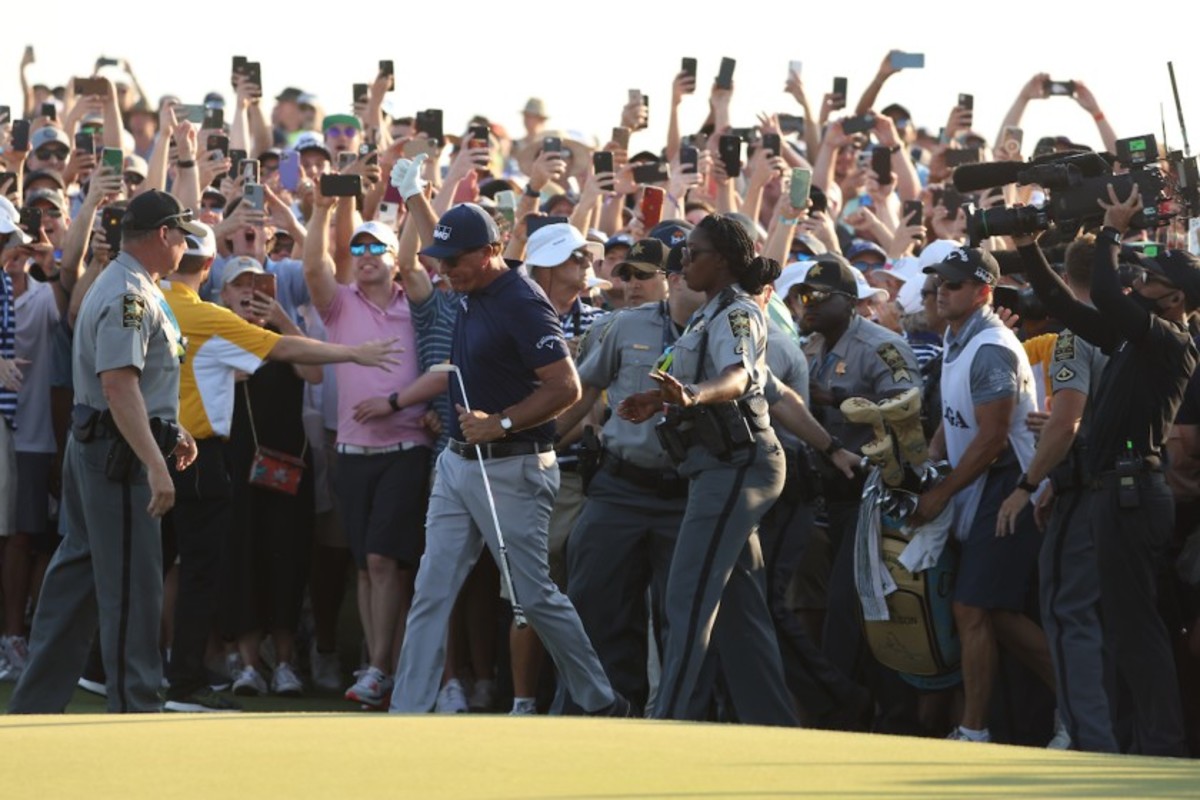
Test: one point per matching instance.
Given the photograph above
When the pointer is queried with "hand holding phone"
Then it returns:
(838, 101)
(800, 187)
(602, 163)
(652, 206)
(725, 74)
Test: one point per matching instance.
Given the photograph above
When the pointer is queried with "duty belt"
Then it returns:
(666, 484)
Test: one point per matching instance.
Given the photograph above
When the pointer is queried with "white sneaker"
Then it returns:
(451, 699)
(522, 708)
(285, 681)
(373, 689)
(1061, 739)
(483, 696)
(92, 687)
(8, 673)
(326, 670)
(959, 735)
(16, 652)
(233, 665)
(249, 683)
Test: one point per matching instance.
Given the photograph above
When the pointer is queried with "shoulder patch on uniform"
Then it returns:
(739, 325)
(890, 355)
(133, 308)
(1063, 375)
(1064, 347)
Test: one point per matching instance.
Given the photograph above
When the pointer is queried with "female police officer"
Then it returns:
(713, 379)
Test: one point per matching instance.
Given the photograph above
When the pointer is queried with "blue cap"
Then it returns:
(464, 227)
(620, 240)
(671, 231)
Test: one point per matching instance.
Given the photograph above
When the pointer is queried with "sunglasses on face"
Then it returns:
(690, 252)
(344, 130)
(630, 274)
(47, 153)
(133, 179)
(375, 249)
(814, 297)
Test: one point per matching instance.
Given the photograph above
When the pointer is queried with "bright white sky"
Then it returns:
(489, 57)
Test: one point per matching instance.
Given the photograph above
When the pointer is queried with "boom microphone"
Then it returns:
(973, 177)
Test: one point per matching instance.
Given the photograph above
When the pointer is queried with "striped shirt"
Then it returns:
(433, 318)
(8, 339)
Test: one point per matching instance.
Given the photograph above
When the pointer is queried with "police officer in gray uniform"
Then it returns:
(1068, 572)
(115, 480)
(849, 356)
(713, 380)
(622, 542)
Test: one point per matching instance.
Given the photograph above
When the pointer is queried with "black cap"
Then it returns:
(675, 259)
(153, 209)
(647, 256)
(289, 95)
(831, 273)
(1181, 268)
(968, 264)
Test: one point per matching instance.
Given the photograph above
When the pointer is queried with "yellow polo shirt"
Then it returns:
(219, 344)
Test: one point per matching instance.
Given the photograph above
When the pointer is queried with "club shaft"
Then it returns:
(505, 570)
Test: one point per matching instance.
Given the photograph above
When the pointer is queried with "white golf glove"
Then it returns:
(406, 176)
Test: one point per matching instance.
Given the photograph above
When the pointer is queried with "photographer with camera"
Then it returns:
(1127, 502)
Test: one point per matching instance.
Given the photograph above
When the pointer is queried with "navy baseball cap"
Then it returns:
(620, 240)
(671, 231)
(461, 229)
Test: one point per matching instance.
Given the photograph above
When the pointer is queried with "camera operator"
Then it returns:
(1151, 356)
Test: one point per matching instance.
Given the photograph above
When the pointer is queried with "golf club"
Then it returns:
(518, 612)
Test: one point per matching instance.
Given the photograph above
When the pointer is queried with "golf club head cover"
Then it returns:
(882, 454)
(862, 411)
(903, 416)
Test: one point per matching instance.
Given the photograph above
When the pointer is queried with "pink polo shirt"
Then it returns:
(353, 319)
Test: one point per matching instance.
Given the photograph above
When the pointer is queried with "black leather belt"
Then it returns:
(665, 484)
(499, 449)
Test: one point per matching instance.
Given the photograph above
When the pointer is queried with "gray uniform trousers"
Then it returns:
(621, 546)
(458, 523)
(718, 567)
(1131, 546)
(1069, 592)
(109, 565)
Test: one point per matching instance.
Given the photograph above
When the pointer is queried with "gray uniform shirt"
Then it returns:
(868, 361)
(787, 363)
(618, 355)
(125, 322)
(1077, 364)
(737, 335)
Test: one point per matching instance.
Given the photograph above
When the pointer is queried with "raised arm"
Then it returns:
(405, 176)
(871, 93)
(683, 84)
(1034, 89)
(1084, 320)
(318, 265)
(1087, 101)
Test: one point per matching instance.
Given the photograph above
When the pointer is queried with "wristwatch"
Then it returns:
(394, 401)
(1109, 234)
(835, 444)
(1024, 485)
(690, 391)
(506, 424)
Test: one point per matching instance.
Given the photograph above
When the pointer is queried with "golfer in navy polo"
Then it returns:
(514, 362)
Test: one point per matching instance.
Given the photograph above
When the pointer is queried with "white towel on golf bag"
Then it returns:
(927, 541)
(871, 578)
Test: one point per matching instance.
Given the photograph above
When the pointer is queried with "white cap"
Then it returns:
(908, 269)
(596, 283)
(380, 233)
(238, 266)
(9, 216)
(552, 245)
(205, 245)
(792, 275)
(865, 290)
